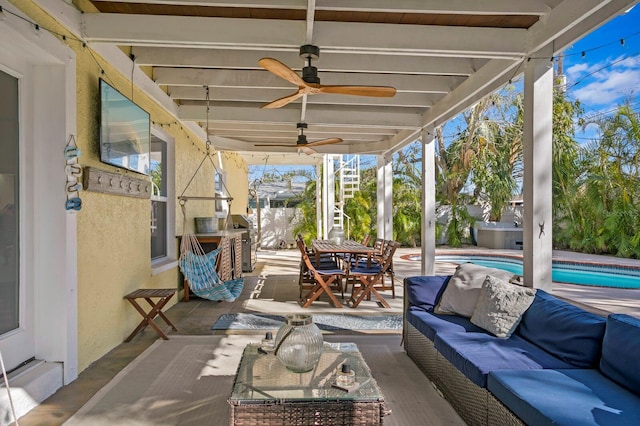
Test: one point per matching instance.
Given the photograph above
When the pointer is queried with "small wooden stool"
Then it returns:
(156, 309)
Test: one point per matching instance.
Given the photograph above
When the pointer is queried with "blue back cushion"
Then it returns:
(564, 330)
(425, 291)
(621, 351)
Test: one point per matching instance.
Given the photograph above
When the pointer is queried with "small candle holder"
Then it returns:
(268, 344)
(346, 377)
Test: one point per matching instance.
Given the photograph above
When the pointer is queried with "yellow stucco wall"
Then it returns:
(114, 231)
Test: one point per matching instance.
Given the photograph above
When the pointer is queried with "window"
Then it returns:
(162, 205)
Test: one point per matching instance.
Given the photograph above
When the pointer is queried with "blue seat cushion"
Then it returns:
(621, 351)
(565, 397)
(566, 331)
(430, 324)
(477, 354)
(364, 270)
(425, 291)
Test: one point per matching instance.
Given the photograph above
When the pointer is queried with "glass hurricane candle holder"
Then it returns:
(299, 343)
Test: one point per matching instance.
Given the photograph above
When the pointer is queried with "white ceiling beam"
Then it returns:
(609, 11)
(392, 118)
(561, 19)
(189, 31)
(312, 129)
(248, 59)
(291, 138)
(398, 118)
(256, 158)
(264, 79)
(475, 87)
(454, 7)
(428, 39)
(466, 7)
(270, 4)
(219, 78)
(416, 100)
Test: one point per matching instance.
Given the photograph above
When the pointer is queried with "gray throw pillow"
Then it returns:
(462, 291)
(500, 306)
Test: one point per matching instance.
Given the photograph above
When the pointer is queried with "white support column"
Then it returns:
(537, 146)
(380, 195)
(319, 206)
(388, 198)
(330, 194)
(428, 233)
(385, 198)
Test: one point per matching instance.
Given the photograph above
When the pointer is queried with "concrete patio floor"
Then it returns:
(272, 288)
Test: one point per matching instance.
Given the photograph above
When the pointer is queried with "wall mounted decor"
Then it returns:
(115, 183)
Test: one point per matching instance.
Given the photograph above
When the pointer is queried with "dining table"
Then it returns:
(346, 247)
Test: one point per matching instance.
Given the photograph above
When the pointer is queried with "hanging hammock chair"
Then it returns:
(200, 268)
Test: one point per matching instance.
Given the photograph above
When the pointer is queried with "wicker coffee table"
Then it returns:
(266, 393)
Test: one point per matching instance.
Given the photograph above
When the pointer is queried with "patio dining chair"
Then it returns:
(375, 259)
(367, 280)
(317, 280)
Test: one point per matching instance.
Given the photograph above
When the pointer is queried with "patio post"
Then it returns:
(328, 195)
(428, 232)
(319, 196)
(384, 197)
(537, 156)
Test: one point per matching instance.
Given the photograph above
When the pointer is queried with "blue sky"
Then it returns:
(609, 71)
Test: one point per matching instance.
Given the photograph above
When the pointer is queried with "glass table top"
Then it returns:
(262, 377)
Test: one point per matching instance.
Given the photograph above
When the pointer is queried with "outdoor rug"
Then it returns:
(187, 380)
(325, 322)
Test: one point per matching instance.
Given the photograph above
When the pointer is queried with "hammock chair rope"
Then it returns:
(198, 267)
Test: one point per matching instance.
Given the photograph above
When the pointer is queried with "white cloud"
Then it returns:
(605, 83)
(576, 71)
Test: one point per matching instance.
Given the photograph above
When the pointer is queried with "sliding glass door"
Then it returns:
(17, 337)
(9, 207)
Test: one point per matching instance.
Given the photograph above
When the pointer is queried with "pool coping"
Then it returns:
(557, 261)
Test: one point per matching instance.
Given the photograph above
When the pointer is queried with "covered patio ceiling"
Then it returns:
(441, 56)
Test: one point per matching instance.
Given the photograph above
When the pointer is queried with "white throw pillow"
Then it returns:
(500, 306)
(463, 289)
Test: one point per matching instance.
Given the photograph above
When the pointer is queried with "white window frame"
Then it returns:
(169, 261)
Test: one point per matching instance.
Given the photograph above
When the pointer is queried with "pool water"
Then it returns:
(601, 276)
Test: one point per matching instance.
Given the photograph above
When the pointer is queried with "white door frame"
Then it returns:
(46, 69)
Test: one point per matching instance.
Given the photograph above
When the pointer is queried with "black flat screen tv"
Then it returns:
(125, 131)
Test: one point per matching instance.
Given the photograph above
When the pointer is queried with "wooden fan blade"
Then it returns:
(281, 70)
(308, 151)
(324, 142)
(283, 101)
(276, 144)
(373, 91)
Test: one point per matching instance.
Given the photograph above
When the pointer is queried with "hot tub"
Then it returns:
(499, 235)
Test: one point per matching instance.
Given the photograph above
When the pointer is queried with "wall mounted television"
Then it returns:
(125, 131)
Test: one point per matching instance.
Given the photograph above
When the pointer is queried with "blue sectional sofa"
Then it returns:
(561, 366)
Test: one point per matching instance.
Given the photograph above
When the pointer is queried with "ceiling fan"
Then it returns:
(302, 143)
(309, 83)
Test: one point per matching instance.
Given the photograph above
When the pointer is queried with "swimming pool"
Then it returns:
(566, 272)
